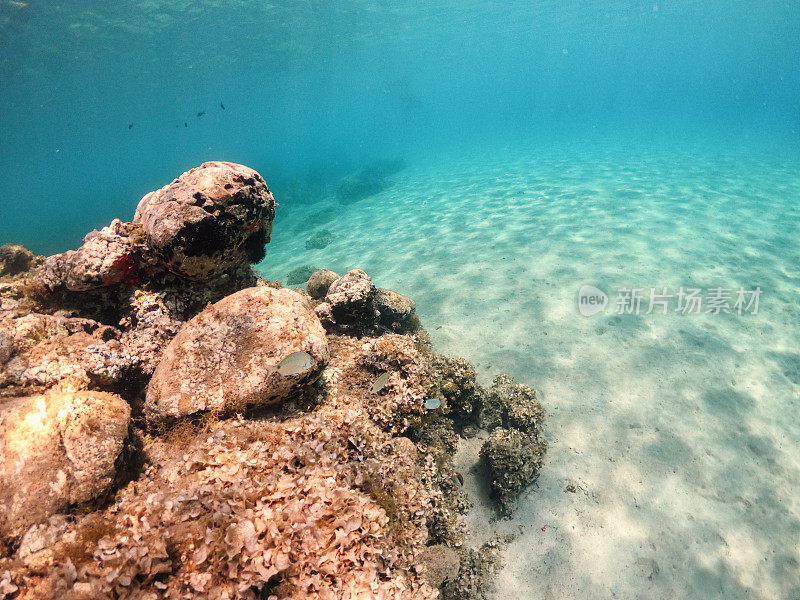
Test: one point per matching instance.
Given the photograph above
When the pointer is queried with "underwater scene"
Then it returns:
(470, 300)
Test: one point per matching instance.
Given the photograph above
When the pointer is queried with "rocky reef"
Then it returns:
(174, 426)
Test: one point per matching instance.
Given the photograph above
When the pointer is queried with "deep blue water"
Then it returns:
(94, 95)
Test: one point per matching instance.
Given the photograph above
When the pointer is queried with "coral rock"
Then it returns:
(226, 358)
(511, 404)
(211, 219)
(56, 450)
(320, 282)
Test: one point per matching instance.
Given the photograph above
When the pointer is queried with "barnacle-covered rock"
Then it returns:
(107, 257)
(396, 312)
(320, 282)
(210, 220)
(226, 358)
(56, 450)
(15, 259)
(475, 579)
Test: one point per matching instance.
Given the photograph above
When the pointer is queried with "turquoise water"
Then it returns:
(549, 145)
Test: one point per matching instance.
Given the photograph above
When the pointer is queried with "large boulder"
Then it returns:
(228, 357)
(56, 450)
(210, 220)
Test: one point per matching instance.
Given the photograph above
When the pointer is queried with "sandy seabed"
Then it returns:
(680, 433)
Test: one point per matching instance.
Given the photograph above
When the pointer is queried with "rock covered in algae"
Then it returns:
(212, 219)
(515, 449)
(56, 450)
(513, 459)
(320, 282)
(226, 358)
(395, 311)
(15, 259)
(107, 257)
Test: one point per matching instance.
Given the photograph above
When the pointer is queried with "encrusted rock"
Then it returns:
(15, 259)
(320, 282)
(350, 302)
(515, 449)
(226, 357)
(211, 219)
(513, 458)
(396, 311)
(56, 450)
(105, 258)
(462, 394)
(511, 404)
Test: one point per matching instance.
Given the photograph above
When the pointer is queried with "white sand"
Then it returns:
(681, 432)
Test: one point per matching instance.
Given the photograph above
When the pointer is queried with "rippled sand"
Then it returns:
(681, 433)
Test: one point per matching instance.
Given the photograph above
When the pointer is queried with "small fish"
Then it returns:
(460, 479)
(432, 403)
(295, 363)
(201, 113)
(222, 106)
(185, 124)
(130, 125)
(379, 384)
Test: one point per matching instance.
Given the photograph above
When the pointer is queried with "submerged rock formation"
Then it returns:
(174, 426)
(227, 357)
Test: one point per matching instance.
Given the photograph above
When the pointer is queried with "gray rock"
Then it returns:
(320, 281)
(210, 220)
(226, 358)
(56, 450)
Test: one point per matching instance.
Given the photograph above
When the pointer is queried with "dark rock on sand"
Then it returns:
(350, 303)
(56, 450)
(210, 220)
(320, 282)
(226, 358)
(515, 449)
